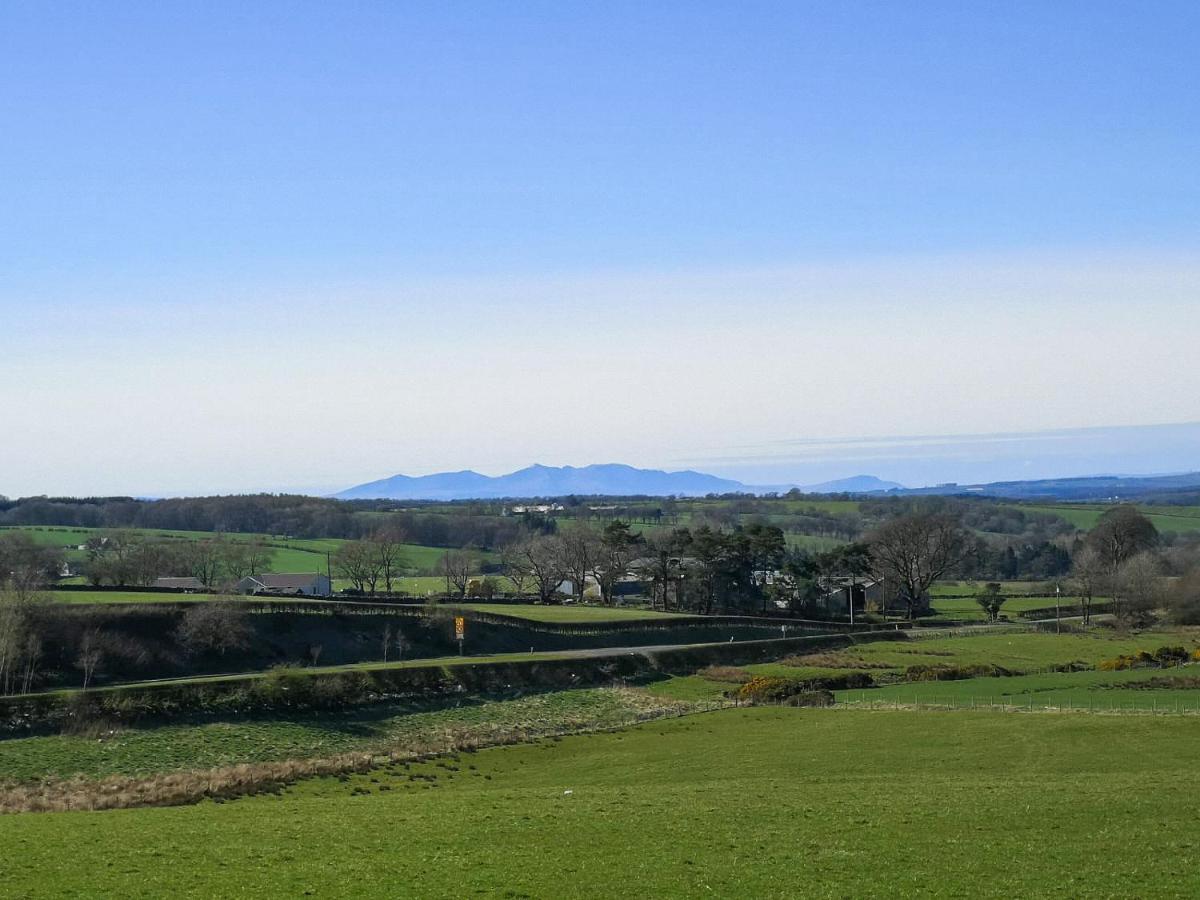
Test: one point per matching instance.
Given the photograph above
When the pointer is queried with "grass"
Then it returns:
(760, 802)
(209, 744)
(1098, 691)
(90, 597)
(1015, 651)
(967, 608)
(1085, 515)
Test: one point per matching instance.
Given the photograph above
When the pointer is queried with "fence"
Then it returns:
(1028, 703)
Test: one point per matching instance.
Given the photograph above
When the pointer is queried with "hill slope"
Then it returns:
(544, 481)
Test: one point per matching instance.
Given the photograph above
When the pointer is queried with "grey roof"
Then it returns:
(287, 581)
(186, 583)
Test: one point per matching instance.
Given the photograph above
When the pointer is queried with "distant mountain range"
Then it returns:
(610, 479)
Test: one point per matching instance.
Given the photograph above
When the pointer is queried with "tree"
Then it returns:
(516, 570)
(389, 544)
(20, 638)
(1089, 576)
(358, 563)
(1122, 533)
(214, 627)
(990, 599)
(206, 560)
(1184, 598)
(913, 551)
(455, 566)
(662, 563)
(90, 655)
(387, 639)
(543, 559)
(618, 548)
(1139, 587)
(581, 547)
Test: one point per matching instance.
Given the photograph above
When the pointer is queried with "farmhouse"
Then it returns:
(839, 591)
(306, 584)
(178, 584)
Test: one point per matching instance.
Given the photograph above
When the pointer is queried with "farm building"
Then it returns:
(304, 584)
(178, 584)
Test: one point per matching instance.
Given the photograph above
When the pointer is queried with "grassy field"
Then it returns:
(1014, 651)
(966, 608)
(1098, 691)
(207, 744)
(1085, 515)
(761, 802)
(89, 597)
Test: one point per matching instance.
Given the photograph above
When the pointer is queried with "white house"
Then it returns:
(305, 584)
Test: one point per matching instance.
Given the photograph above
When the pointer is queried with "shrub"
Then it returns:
(926, 672)
(792, 691)
(726, 673)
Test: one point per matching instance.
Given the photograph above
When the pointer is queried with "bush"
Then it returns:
(1143, 659)
(792, 691)
(926, 672)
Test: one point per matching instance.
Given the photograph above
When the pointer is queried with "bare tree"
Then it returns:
(1139, 587)
(387, 639)
(581, 551)
(217, 626)
(516, 569)
(236, 560)
(389, 544)
(914, 551)
(91, 654)
(206, 560)
(20, 641)
(1089, 576)
(455, 566)
(358, 563)
(543, 557)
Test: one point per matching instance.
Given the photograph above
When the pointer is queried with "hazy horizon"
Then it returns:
(268, 246)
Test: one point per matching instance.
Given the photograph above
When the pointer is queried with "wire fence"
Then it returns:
(1030, 703)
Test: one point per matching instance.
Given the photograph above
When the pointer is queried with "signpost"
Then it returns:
(460, 632)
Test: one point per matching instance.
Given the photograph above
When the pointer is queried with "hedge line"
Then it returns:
(298, 689)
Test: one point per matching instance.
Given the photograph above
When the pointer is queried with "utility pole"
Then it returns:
(1057, 608)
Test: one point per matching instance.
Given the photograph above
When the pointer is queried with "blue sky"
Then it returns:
(490, 220)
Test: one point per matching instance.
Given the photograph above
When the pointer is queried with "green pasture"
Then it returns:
(90, 597)
(737, 803)
(1085, 515)
(212, 743)
(1031, 652)
(952, 588)
(1092, 691)
(967, 608)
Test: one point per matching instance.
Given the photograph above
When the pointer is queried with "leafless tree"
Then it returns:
(581, 551)
(914, 551)
(216, 626)
(516, 569)
(1139, 587)
(91, 654)
(387, 639)
(544, 559)
(455, 566)
(207, 560)
(1090, 576)
(20, 642)
(358, 563)
(389, 544)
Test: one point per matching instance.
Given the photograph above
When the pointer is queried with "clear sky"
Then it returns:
(299, 245)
